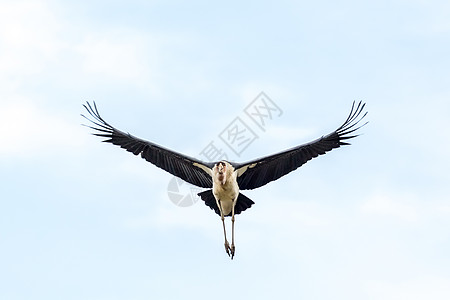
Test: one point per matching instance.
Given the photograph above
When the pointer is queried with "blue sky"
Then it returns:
(81, 219)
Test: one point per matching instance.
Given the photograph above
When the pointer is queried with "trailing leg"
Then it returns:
(232, 249)
(222, 217)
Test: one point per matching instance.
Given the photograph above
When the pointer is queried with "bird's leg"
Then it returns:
(227, 246)
(232, 233)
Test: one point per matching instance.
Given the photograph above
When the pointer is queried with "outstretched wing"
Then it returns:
(187, 168)
(259, 172)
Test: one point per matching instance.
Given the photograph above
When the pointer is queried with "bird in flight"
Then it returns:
(223, 179)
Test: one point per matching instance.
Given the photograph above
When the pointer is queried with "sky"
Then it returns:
(81, 219)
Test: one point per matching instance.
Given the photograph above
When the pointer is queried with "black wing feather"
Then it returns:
(242, 202)
(258, 172)
(173, 162)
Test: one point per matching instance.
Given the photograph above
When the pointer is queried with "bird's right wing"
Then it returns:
(187, 168)
(259, 172)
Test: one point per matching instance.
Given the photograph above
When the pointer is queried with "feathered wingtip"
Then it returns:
(352, 123)
(97, 120)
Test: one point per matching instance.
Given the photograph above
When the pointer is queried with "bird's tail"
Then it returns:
(242, 203)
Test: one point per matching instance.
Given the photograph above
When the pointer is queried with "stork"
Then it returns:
(224, 180)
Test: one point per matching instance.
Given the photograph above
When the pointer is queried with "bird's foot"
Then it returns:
(228, 248)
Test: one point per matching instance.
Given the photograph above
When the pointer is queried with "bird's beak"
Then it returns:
(221, 168)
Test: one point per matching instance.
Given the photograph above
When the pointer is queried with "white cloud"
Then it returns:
(28, 31)
(121, 56)
(32, 39)
(28, 131)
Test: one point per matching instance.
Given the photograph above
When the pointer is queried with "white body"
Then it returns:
(225, 187)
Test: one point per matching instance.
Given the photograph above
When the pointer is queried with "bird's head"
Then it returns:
(220, 170)
(221, 167)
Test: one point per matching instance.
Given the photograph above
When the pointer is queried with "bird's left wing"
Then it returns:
(187, 168)
(259, 172)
